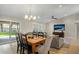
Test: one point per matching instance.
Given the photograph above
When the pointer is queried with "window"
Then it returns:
(6, 27)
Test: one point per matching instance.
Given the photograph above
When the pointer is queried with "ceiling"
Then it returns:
(44, 11)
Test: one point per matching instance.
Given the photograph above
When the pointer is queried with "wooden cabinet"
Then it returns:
(61, 34)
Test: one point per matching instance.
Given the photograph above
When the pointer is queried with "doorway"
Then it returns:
(8, 31)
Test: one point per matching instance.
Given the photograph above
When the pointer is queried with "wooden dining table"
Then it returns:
(34, 42)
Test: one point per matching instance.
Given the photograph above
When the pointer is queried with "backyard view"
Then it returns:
(8, 31)
(6, 34)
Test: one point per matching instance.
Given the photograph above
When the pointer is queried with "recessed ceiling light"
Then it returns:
(60, 6)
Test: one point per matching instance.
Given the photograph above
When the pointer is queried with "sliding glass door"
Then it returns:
(14, 29)
(8, 29)
(4, 30)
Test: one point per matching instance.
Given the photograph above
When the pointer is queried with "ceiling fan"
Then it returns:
(54, 18)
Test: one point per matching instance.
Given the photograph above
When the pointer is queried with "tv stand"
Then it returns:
(61, 34)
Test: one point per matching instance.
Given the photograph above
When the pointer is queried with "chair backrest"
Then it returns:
(26, 37)
(21, 39)
(35, 33)
(47, 44)
(41, 34)
(45, 34)
(17, 38)
(55, 42)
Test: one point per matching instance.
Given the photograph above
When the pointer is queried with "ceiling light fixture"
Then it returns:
(29, 16)
(34, 18)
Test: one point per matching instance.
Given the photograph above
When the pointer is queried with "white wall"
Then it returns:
(50, 26)
(70, 25)
(27, 26)
(70, 28)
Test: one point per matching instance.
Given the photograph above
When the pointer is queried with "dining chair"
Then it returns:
(57, 42)
(23, 43)
(18, 42)
(29, 36)
(35, 33)
(41, 34)
(43, 49)
(18, 39)
(26, 46)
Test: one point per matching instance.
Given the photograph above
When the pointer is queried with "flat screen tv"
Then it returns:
(59, 27)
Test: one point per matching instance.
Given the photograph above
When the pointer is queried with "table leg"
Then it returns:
(33, 48)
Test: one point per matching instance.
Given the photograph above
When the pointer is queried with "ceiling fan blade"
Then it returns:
(53, 17)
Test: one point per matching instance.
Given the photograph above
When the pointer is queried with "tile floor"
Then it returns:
(66, 49)
(8, 48)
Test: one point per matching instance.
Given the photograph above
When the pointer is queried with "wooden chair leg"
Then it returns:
(48, 52)
(21, 50)
(17, 48)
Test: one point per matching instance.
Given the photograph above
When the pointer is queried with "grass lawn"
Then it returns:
(6, 34)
